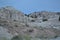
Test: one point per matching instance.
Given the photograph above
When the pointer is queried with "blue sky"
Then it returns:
(29, 6)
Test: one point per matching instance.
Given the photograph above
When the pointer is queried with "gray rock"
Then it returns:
(4, 33)
(37, 24)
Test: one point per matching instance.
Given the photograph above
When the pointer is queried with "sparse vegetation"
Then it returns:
(34, 16)
(20, 37)
(3, 38)
(27, 37)
(26, 15)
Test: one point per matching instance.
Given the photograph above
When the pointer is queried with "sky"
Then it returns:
(29, 6)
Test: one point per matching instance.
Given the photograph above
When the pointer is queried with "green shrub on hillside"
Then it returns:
(27, 37)
(19, 37)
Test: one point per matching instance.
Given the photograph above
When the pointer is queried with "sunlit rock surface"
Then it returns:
(38, 25)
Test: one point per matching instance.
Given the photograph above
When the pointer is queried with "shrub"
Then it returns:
(27, 25)
(16, 25)
(27, 37)
(59, 18)
(31, 30)
(20, 37)
(34, 16)
(45, 19)
(14, 20)
(32, 20)
(58, 13)
(55, 36)
(17, 38)
(26, 15)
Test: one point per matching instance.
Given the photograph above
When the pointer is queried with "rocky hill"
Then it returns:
(35, 26)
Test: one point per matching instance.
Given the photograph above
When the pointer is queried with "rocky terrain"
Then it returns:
(15, 25)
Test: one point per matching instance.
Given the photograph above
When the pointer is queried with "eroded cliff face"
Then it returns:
(40, 25)
(10, 13)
